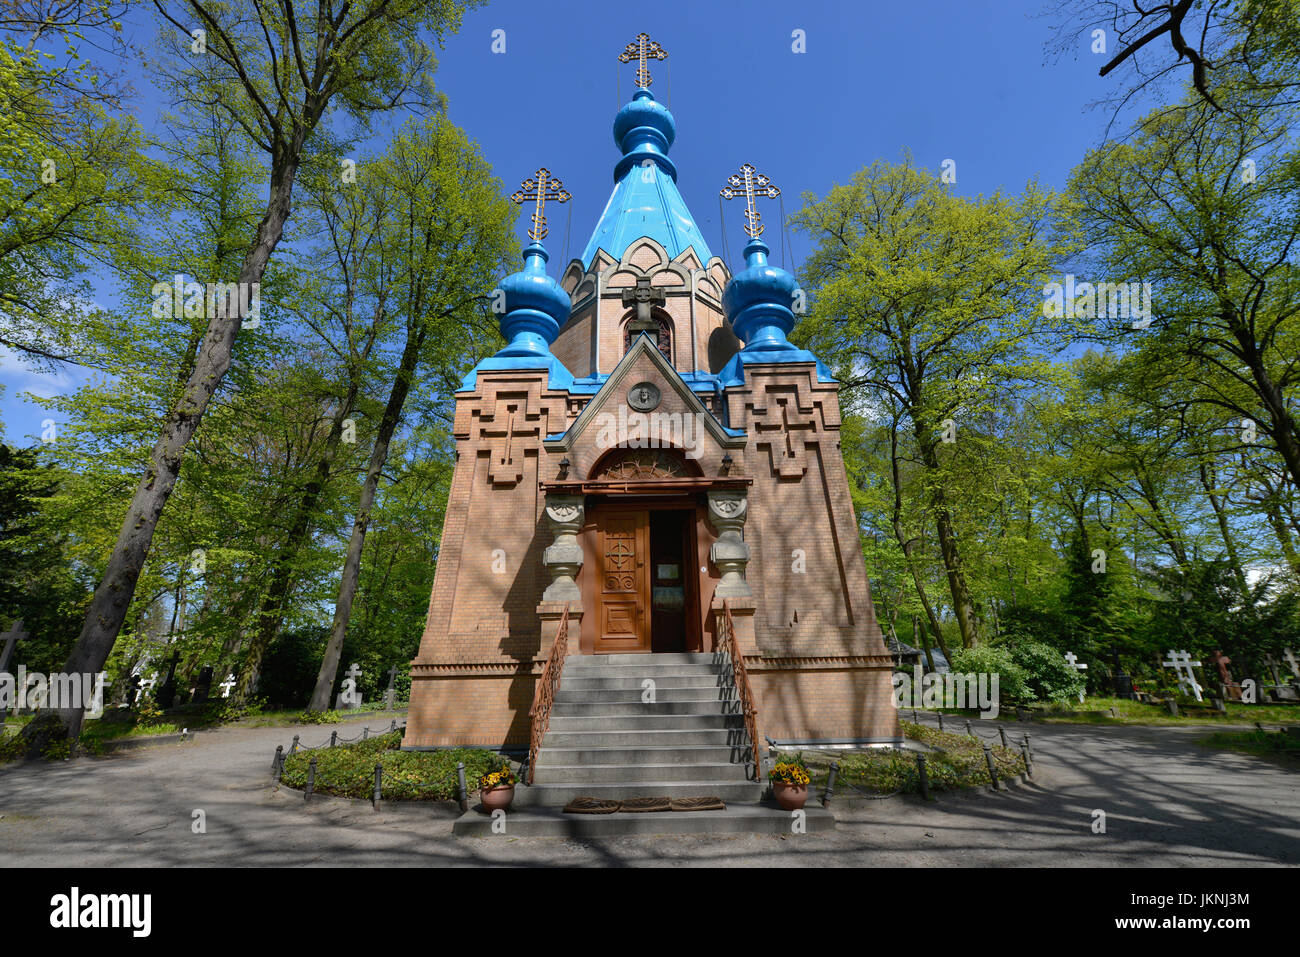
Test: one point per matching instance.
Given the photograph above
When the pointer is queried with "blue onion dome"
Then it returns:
(644, 130)
(758, 301)
(536, 306)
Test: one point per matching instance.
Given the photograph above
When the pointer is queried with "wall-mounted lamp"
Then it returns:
(726, 463)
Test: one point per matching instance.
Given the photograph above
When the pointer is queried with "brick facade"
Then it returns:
(809, 636)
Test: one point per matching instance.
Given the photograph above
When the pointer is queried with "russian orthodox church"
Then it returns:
(649, 481)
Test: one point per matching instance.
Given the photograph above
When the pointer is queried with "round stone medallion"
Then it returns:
(644, 396)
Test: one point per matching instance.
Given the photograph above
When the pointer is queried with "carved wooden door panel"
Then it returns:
(623, 624)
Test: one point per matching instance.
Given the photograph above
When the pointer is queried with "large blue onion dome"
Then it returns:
(759, 302)
(535, 309)
(645, 201)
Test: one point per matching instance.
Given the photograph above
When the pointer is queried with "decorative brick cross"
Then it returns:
(788, 427)
(509, 422)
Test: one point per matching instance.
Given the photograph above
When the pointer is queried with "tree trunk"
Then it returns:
(112, 599)
(271, 615)
(1229, 545)
(416, 330)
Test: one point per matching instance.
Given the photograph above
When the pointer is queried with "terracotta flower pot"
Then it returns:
(497, 798)
(790, 796)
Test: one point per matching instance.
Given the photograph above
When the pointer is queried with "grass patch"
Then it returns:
(957, 763)
(349, 770)
(1267, 743)
(1129, 712)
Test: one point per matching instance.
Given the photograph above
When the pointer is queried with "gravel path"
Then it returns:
(1167, 802)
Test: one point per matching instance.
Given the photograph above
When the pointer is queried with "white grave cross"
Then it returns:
(1073, 661)
(1289, 657)
(1182, 664)
(227, 685)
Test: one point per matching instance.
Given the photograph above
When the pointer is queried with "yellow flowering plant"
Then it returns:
(500, 778)
(790, 771)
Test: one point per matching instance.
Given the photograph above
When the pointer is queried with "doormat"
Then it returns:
(647, 804)
(698, 804)
(588, 805)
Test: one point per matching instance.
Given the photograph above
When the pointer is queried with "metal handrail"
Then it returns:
(727, 643)
(544, 693)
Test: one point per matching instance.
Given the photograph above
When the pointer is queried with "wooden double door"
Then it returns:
(645, 587)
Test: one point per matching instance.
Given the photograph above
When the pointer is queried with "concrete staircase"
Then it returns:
(606, 740)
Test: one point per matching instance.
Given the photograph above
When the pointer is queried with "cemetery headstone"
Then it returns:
(349, 696)
(1181, 662)
(1287, 655)
(1122, 680)
(390, 695)
(1077, 665)
(203, 688)
(166, 696)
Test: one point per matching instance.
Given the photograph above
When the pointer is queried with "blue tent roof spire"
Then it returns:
(645, 201)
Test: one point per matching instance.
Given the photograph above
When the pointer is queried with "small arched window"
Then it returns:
(660, 331)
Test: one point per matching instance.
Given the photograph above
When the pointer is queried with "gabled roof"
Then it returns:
(614, 388)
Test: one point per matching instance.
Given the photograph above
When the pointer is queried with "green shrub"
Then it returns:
(349, 770)
(320, 717)
(1049, 676)
(994, 660)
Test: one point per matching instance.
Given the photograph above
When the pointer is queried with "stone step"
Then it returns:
(567, 695)
(648, 669)
(634, 753)
(588, 709)
(558, 795)
(639, 774)
(601, 737)
(643, 720)
(662, 658)
(738, 818)
(619, 682)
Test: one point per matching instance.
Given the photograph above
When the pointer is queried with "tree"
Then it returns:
(275, 76)
(451, 231)
(931, 302)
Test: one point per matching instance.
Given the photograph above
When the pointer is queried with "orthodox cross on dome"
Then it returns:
(750, 183)
(642, 49)
(537, 189)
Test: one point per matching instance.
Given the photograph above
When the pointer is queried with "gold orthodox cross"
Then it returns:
(642, 49)
(538, 188)
(750, 183)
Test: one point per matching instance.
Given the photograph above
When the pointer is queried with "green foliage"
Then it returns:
(321, 717)
(1047, 675)
(349, 771)
(1013, 682)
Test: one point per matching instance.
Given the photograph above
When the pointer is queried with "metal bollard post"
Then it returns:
(921, 777)
(913, 716)
(968, 728)
(830, 784)
(993, 771)
(1029, 764)
(365, 734)
(277, 765)
(393, 727)
(294, 749)
(1028, 747)
(462, 790)
(311, 779)
(940, 713)
(1003, 731)
(334, 738)
(379, 776)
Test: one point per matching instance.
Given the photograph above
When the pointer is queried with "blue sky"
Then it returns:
(967, 80)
